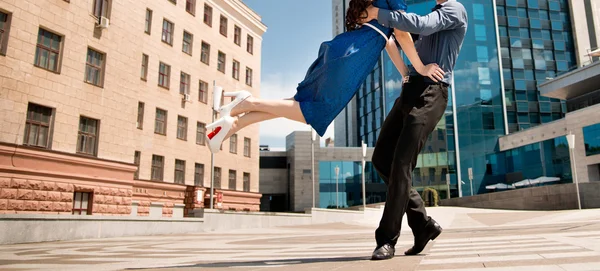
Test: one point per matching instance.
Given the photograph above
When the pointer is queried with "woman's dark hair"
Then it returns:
(356, 11)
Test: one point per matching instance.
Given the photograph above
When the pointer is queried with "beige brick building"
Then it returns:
(120, 81)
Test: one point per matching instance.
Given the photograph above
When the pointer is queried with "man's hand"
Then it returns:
(432, 71)
(371, 14)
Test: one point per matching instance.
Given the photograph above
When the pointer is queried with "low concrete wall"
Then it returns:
(322, 216)
(24, 228)
(551, 197)
(228, 220)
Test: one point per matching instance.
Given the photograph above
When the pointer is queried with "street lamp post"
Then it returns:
(364, 156)
(215, 106)
(337, 198)
(312, 163)
(571, 142)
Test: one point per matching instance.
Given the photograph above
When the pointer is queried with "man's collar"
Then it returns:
(438, 6)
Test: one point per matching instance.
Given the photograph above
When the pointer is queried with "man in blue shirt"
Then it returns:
(414, 116)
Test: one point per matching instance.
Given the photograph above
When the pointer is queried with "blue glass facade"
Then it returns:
(591, 139)
(349, 184)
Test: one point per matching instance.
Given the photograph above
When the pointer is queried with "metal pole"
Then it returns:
(364, 191)
(471, 180)
(337, 199)
(212, 158)
(312, 144)
(572, 151)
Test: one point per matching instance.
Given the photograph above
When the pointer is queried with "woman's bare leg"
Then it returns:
(288, 108)
(248, 119)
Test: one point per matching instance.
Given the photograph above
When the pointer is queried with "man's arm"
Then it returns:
(449, 16)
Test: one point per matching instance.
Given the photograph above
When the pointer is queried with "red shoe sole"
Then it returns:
(214, 133)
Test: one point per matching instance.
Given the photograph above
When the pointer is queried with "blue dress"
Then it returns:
(342, 66)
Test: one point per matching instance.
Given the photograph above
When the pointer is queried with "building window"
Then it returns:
(208, 10)
(94, 68)
(158, 165)
(82, 203)
(136, 161)
(247, 144)
(237, 35)
(173, 1)
(203, 92)
(235, 73)
(232, 177)
(184, 83)
(181, 127)
(179, 171)
(488, 121)
(101, 8)
(144, 70)
(221, 62)
(200, 133)
(248, 76)
(233, 144)
(38, 126)
(167, 32)
(199, 175)
(164, 75)
(217, 177)
(47, 53)
(148, 26)
(205, 54)
(591, 139)
(188, 42)
(250, 45)
(4, 31)
(160, 122)
(87, 139)
(140, 116)
(246, 182)
(190, 6)
(223, 26)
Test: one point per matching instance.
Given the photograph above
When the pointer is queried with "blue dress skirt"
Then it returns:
(342, 66)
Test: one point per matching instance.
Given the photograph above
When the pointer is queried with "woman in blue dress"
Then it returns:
(331, 81)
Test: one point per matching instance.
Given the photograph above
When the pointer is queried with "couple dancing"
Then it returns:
(340, 69)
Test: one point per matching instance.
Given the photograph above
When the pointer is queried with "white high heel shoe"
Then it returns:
(216, 137)
(240, 96)
(217, 96)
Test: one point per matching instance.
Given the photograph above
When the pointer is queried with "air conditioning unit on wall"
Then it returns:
(103, 22)
(187, 97)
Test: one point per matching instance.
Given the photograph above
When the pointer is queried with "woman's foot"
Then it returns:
(243, 107)
(238, 98)
(234, 128)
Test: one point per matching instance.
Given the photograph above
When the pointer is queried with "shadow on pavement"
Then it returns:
(266, 263)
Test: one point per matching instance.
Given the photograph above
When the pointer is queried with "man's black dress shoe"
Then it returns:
(431, 231)
(384, 252)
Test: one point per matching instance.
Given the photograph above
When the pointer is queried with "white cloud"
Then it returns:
(282, 86)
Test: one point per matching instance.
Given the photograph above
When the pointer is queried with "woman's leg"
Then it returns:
(248, 119)
(288, 108)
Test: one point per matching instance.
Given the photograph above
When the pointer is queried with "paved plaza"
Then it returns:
(473, 239)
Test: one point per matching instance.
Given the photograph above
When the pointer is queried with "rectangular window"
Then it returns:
(237, 35)
(4, 31)
(184, 83)
(591, 139)
(203, 92)
(38, 126)
(235, 73)
(488, 121)
(148, 25)
(208, 15)
(158, 165)
(87, 138)
(199, 175)
(233, 144)
(101, 8)
(247, 146)
(250, 45)
(181, 127)
(144, 70)
(188, 42)
(217, 177)
(190, 6)
(173, 1)
(179, 171)
(200, 133)
(205, 54)
(248, 76)
(47, 53)
(94, 68)
(164, 75)
(160, 122)
(223, 26)
(232, 181)
(221, 62)
(82, 203)
(136, 161)
(167, 32)
(246, 182)
(140, 116)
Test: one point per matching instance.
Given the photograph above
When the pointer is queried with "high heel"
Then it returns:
(217, 96)
(216, 137)
(240, 96)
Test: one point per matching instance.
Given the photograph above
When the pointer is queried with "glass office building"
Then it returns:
(511, 47)
(344, 189)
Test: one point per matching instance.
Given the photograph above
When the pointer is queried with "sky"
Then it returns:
(296, 29)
